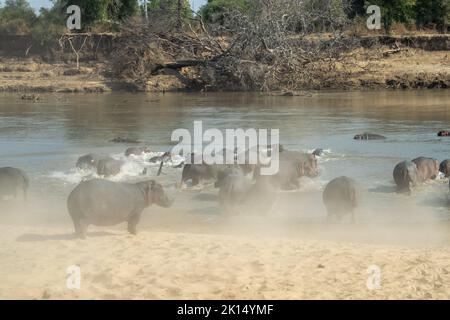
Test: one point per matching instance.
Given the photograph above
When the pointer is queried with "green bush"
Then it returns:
(170, 7)
(49, 26)
(216, 11)
(16, 17)
(433, 14)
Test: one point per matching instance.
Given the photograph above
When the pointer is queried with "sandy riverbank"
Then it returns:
(176, 265)
(410, 68)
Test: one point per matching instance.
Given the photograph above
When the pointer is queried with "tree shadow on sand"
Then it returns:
(31, 237)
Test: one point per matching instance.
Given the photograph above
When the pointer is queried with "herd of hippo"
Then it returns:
(104, 203)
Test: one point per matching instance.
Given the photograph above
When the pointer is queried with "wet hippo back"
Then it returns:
(428, 168)
(341, 196)
(369, 136)
(406, 175)
(89, 161)
(109, 167)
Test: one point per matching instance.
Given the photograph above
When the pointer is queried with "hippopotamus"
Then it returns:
(235, 189)
(406, 175)
(137, 151)
(233, 186)
(341, 197)
(13, 182)
(428, 168)
(369, 136)
(307, 162)
(198, 173)
(125, 140)
(288, 175)
(318, 152)
(444, 167)
(292, 166)
(166, 156)
(89, 161)
(443, 133)
(105, 203)
(108, 167)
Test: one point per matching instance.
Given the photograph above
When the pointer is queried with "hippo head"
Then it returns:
(444, 167)
(308, 166)
(87, 162)
(155, 194)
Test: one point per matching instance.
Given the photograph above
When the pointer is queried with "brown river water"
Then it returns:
(46, 137)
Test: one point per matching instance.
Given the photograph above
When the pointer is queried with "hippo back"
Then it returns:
(406, 175)
(89, 161)
(428, 168)
(341, 195)
(109, 167)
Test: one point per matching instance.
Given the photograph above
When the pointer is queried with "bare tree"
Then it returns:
(282, 45)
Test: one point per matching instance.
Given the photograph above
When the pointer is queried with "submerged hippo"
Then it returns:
(199, 173)
(13, 182)
(318, 152)
(369, 136)
(90, 161)
(137, 151)
(125, 140)
(444, 167)
(406, 176)
(341, 197)
(106, 203)
(109, 167)
(428, 168)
